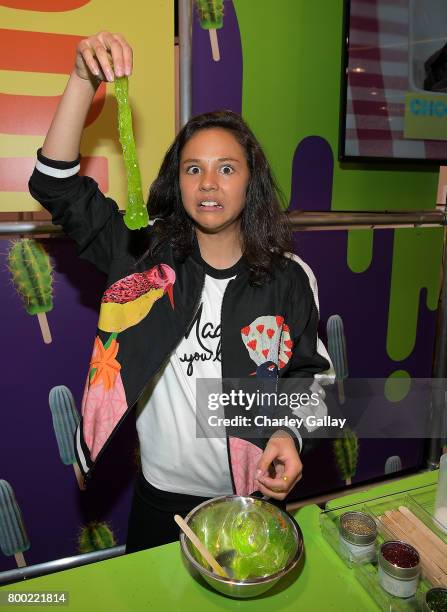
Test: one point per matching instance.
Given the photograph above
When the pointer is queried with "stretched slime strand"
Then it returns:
(136, 215)
(211, 19)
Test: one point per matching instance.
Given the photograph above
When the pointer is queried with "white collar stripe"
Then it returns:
(57, 173)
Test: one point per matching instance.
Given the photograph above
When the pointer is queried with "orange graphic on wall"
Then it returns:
(37, 50)
(31, 114)
(46, 6)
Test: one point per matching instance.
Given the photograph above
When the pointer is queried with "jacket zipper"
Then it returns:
(168, 352)
(222, 361)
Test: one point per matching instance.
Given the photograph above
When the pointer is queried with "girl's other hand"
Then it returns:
(281, 453)
(103, 57)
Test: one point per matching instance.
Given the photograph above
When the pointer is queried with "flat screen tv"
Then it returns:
(394, 82)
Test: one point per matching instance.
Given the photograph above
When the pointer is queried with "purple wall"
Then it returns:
(53, 507)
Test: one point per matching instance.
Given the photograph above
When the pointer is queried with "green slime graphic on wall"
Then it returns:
(360, 250)
(291, 62)
(416, 264)
(397, 386)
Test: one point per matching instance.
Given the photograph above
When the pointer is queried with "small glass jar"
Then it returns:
(399, 568)
(435, 600)
(358, 532)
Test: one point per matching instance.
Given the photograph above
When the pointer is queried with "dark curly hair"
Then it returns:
(266, 234)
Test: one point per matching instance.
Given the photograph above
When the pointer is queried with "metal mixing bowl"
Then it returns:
(256, 541)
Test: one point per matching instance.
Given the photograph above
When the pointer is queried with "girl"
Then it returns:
(187, 299)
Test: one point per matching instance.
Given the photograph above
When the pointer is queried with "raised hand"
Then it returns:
(103, 57)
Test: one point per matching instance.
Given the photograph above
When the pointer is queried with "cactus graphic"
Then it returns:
(346, 451)
(13, 536)
(336, 341)
(211, 19)
(393, 464)
(31, 272)
(65, 420)
(95, 536)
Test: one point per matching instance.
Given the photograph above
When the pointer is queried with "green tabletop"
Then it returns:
(156, 579)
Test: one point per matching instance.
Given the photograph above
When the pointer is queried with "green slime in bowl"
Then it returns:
(259, 534)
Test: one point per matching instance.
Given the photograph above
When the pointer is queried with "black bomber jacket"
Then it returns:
(148, 306)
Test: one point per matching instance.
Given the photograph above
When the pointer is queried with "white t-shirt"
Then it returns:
(172, 457)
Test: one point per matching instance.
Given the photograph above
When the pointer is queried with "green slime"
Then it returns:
(136, 215)
(261, 537)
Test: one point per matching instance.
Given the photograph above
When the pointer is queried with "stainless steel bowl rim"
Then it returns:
(253, 581)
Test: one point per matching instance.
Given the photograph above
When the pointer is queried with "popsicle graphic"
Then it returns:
(211, 19)
(95, 536)
(65, 420)
(31, 272)
(136, 215)
(13, 537)
(393, 464)
(346, 451)
(337, 351)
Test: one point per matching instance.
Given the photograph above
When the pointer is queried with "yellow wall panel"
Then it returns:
(149, 28)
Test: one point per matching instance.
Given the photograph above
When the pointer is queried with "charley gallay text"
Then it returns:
(310, 421)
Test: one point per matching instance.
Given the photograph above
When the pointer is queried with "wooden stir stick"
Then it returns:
(218, 569)
(428, 533)
(430, 571)
(422, 540)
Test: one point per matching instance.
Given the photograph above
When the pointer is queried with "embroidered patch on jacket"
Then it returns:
(103, 364)
(129, 300)
(267, 340)
(124, 304)
(104, 401)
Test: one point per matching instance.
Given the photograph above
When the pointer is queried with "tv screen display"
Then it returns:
(394, 81)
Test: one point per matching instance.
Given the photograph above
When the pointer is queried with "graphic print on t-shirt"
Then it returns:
(204, 337)
(192, 465)
(199, 352)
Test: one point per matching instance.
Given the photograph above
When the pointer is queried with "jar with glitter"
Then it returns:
(435, 600)
(358, 533)
(399, 568)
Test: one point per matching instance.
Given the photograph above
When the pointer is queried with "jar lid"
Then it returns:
(358, 528)
(399, 559)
